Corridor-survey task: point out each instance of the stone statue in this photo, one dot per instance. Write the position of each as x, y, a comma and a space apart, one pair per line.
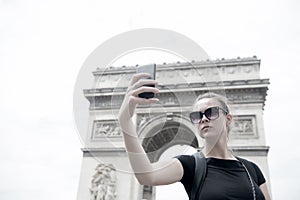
103, 184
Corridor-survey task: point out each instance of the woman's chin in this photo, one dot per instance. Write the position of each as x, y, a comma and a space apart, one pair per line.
204, 134
207, 135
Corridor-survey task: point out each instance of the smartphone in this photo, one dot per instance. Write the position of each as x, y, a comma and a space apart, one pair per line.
150, 69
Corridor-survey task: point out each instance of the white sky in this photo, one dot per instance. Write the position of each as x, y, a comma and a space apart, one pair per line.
44, 43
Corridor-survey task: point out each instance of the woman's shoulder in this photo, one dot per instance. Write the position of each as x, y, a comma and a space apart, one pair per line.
254, 170
248, 163
187, 162
185, 158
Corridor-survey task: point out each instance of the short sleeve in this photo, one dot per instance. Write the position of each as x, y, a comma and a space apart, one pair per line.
188, 164
255, 171
260, 177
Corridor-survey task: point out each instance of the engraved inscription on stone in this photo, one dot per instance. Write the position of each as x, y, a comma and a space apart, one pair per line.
105, 129
103, 184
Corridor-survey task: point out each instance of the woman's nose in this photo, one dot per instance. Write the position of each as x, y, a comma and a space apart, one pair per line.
204, 119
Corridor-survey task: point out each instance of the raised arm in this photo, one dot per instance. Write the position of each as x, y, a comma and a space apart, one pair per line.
147, 173
265, 191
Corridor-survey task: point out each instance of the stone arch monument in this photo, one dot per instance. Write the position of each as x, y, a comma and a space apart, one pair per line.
106, 172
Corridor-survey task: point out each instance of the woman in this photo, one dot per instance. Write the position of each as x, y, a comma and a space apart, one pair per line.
226, 176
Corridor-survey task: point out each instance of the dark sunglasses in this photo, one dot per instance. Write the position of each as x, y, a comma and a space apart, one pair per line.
210, 113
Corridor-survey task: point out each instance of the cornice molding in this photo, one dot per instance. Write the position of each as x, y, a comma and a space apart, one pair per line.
184, 86
251, 150
179, 65
184, 94
100, 152
238, 150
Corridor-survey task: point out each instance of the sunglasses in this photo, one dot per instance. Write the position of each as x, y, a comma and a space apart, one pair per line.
210, 113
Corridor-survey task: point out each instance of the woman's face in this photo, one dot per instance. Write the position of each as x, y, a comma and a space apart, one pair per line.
211, 128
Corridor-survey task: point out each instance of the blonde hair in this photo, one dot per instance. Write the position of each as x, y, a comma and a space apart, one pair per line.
211, 95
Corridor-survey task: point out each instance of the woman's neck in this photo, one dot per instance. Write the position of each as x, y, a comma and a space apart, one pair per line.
218, 150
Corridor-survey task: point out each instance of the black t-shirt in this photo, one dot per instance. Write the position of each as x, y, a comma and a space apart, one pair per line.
225, 179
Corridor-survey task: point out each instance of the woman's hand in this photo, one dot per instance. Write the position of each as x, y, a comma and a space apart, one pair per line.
131, 99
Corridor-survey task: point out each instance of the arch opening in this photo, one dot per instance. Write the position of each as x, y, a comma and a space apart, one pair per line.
172, 133
172, 139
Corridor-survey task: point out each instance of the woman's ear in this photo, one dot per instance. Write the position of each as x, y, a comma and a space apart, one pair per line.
229, 119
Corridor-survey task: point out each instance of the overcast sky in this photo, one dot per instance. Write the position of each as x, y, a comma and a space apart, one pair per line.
43, 45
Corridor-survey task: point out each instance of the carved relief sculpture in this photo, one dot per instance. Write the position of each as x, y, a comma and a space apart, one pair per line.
105, 129
244, 126
103, 184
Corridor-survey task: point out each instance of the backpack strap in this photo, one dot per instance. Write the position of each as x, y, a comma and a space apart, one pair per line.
199, 175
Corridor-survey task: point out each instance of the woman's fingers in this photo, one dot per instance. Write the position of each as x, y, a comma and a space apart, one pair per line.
131, 99
142, 82
144, 89
139, 100
136, 77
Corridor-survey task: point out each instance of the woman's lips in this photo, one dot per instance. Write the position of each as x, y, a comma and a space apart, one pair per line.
205, 127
